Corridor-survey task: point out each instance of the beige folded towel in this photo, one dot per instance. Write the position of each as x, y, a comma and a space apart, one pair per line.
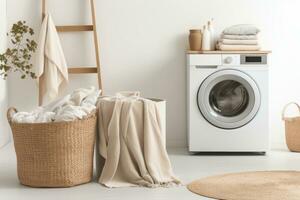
226, 47
132, 143
239, 42
239, 37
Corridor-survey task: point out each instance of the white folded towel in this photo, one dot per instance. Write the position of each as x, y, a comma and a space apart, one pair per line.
239, 37
239, 42
51, 67
227, 47
242, 29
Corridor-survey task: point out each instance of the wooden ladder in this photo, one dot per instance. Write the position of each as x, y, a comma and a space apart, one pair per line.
79, 28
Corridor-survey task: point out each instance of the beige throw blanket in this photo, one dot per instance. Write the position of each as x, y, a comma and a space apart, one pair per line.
132, 143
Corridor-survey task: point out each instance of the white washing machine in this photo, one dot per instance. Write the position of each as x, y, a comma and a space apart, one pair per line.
228, 102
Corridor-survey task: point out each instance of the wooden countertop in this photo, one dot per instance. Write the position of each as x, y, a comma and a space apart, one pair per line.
229, 52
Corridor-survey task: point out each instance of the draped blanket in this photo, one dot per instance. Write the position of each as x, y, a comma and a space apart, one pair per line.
132, 143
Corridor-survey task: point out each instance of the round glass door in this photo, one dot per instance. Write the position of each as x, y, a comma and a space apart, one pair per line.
228, 99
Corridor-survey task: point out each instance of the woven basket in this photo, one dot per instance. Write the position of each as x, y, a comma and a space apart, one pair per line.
292, 129
56, 154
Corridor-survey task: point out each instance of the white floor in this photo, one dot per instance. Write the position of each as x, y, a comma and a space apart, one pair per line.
187, 167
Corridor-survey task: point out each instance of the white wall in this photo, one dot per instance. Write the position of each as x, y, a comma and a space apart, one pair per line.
143, 47
4, 136
285, 71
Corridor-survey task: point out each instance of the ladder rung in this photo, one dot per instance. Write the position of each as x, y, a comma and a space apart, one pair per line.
82, 70
73, 28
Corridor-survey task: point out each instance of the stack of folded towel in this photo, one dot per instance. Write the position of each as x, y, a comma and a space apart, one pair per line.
239, 38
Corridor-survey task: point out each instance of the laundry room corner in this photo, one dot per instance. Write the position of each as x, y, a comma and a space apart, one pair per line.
185, 99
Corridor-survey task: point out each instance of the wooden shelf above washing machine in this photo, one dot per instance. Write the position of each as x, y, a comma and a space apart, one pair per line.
229, 52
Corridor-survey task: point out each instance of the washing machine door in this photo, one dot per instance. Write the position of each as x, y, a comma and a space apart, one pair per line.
228, 99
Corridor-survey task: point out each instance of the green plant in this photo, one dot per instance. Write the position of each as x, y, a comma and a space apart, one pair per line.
18, 57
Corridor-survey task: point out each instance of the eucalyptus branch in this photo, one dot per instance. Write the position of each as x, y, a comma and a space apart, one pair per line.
18, 57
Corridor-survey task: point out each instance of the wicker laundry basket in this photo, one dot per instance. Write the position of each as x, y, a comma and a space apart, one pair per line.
292, 129
56, 154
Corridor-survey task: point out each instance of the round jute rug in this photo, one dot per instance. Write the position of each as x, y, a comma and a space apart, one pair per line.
261, 185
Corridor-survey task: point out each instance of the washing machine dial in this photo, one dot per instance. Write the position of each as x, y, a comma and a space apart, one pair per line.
228, 60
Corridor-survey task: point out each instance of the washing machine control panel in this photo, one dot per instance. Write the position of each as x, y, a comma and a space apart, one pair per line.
244, 59
227, 60
257, 59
